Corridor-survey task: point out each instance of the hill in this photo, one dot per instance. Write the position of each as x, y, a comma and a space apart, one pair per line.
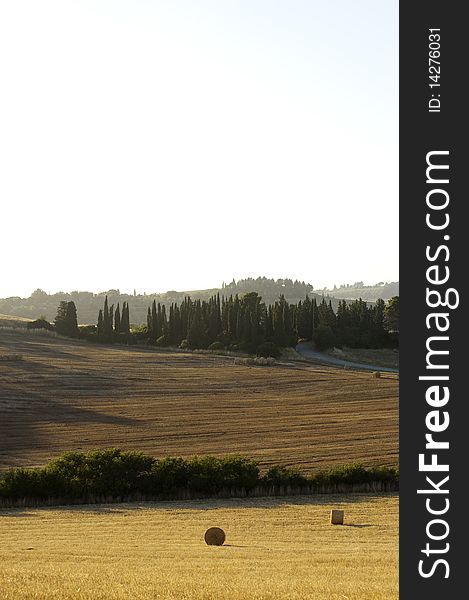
88, 303
11, 321
370, 293
75, 395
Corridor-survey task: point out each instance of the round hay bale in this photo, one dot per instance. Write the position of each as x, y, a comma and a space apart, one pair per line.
376, 374
215, 536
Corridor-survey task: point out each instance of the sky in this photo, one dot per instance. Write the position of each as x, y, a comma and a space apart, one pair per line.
173, 145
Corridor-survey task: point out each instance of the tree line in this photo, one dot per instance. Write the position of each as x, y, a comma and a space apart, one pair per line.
246, 323
88, 303
243, 323
113, 473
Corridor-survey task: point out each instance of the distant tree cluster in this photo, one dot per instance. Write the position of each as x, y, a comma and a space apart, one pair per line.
40, 323
235, 322
66, 320
243, 323
112, 324
370, 293
269, 289
88, 303
246, 323
356, 324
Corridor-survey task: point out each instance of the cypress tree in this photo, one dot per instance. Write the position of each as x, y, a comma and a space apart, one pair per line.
287, 323
269, 331
164, 323
66, 322
379, 335
158, 327
154, 330
304, 323
170, 329
149, 323
125, 319
117, 320
100, 323
214, 319
106, 317
314, 317
177, 325
111, 319
236, 327
195, 331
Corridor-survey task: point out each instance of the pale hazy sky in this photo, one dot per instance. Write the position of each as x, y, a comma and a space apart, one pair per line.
174, 144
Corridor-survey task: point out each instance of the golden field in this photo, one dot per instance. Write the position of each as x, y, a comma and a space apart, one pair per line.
71, 395
275, 549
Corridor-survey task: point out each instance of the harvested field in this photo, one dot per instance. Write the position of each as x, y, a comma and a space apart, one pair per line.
10, 321
275, 549
384, 357
67, 395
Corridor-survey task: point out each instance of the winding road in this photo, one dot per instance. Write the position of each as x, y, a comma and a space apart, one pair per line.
305, 350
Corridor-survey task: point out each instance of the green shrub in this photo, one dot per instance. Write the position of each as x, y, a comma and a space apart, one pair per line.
324, 337
167, 476
284, 476
31, 483
268, 349
117, 474
108, 472
139, 332
239, 471
40, 323
216, 346
85, 330
204, 474
355, 473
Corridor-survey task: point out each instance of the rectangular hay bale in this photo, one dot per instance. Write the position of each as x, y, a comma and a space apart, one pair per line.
337, 517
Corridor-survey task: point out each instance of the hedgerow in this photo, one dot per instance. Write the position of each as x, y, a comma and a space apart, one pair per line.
113, 473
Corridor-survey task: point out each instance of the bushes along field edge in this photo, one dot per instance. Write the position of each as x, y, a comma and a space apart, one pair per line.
115, 474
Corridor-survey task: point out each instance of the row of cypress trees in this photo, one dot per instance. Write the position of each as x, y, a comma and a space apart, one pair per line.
246, 322
112, 321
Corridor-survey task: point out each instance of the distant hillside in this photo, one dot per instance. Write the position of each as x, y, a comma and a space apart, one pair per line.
370, 293
9, 321
88, 304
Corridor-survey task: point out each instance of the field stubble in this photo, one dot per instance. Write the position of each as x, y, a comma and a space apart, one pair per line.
275, 549
70, 395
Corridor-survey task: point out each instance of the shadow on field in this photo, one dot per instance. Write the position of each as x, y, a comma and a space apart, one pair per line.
25, 405
328, 501
359, 525
244, 546
44, 348
6, 512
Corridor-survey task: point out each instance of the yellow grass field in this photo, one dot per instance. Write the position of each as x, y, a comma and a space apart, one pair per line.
276, 549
